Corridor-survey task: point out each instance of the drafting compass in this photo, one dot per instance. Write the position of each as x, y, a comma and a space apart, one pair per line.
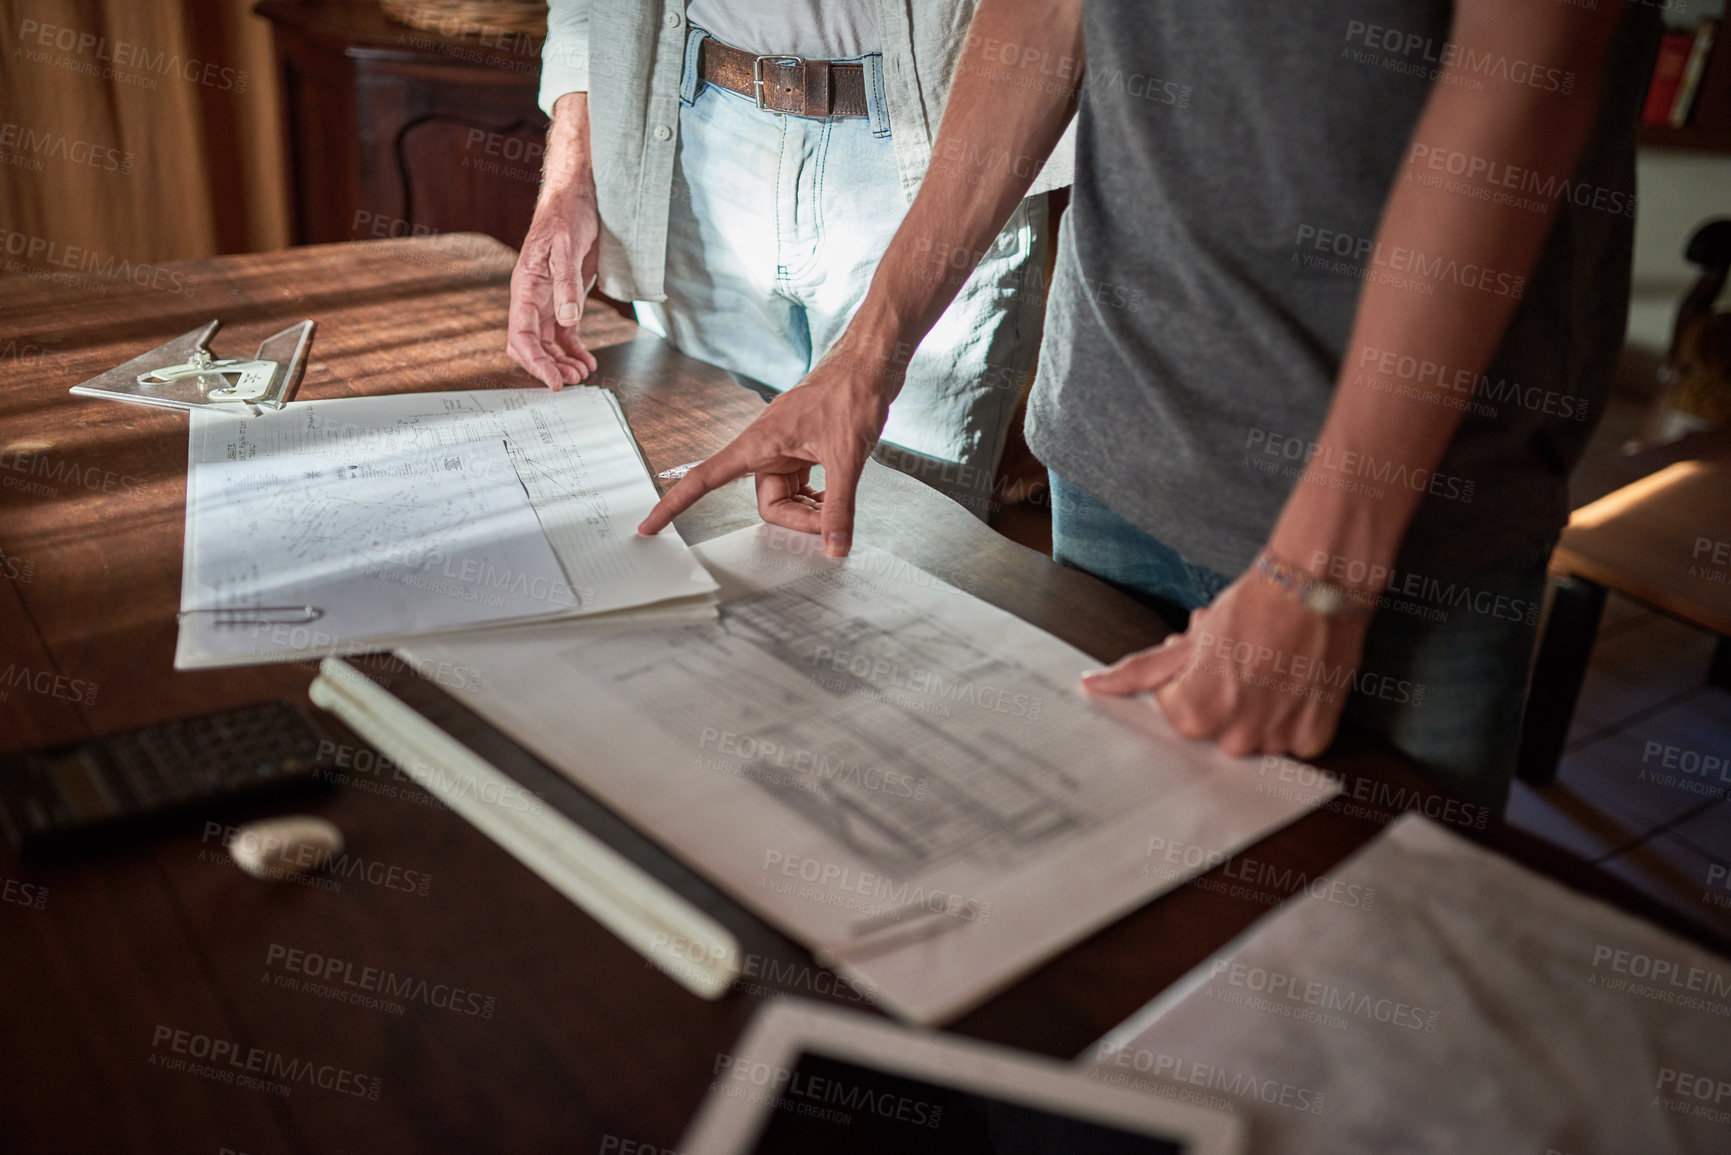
185, 374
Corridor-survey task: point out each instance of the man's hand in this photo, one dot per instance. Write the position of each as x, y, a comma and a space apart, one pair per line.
833, 418
1254, 671
557, 266
1000, 105
554, 273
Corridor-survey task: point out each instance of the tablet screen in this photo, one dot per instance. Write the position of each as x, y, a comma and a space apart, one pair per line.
841, 1108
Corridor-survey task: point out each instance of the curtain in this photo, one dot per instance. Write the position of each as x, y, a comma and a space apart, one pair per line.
136, 131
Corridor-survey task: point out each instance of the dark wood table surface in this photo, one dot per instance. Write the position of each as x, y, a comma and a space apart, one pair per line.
578, 1045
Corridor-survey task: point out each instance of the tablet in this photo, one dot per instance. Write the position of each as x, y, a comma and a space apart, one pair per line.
809, 1078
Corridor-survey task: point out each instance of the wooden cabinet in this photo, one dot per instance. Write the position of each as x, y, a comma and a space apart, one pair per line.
392, 131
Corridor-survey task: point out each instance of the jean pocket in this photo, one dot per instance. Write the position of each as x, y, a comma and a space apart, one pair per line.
691, 86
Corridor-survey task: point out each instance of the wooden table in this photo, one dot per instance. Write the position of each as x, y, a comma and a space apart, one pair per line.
580, 1039
1664, 539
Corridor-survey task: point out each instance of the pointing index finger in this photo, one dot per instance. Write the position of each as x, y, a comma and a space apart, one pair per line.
703, 477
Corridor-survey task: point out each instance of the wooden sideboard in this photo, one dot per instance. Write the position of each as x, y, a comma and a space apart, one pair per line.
393, 132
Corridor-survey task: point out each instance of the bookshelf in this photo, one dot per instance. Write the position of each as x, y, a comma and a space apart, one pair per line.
1691, 139
1706, 126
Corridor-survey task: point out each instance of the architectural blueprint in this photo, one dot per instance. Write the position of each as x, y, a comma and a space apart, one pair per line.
829, 704
339, 526
901, 776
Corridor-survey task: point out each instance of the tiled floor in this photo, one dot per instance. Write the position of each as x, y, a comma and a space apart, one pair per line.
1638, 789
1645, 703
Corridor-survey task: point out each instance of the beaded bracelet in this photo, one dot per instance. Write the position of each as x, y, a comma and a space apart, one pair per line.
1314, 594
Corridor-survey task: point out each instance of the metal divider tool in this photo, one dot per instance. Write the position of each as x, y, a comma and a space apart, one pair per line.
185, 374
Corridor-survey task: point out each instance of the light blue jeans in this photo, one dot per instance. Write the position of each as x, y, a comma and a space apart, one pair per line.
1466, 641
777, 224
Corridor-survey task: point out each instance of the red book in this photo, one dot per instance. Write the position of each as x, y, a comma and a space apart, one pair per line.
1673, 60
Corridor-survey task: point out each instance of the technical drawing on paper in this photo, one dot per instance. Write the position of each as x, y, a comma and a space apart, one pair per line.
440, 538
354, 511
902, 738
546, 436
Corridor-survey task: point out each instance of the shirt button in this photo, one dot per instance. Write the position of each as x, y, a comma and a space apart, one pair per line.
662, 132
673, 20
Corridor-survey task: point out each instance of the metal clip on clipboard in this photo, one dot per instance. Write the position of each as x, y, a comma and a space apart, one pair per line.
185, 374
259, 615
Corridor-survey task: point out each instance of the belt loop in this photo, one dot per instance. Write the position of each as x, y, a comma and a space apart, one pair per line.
816, 88
877, 108
688, 77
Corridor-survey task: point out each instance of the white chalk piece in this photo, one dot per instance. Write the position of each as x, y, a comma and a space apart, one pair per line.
280, 848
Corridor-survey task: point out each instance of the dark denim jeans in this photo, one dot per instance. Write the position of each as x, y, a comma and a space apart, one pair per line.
1444, 673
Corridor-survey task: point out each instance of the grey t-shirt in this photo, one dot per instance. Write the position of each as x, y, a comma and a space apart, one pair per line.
1232, 165
814, 29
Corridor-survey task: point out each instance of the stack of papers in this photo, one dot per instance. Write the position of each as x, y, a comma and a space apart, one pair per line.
1435, 997
349, 525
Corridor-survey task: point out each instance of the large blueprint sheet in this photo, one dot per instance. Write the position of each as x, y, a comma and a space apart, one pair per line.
899, 775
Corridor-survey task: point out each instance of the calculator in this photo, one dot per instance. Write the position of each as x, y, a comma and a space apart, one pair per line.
69, 797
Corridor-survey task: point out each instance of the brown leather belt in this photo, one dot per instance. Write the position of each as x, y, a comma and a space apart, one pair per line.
785, 84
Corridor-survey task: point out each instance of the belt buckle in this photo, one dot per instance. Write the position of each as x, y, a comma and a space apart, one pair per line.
757, 64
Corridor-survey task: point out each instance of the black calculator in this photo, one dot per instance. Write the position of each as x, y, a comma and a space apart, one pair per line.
66, 798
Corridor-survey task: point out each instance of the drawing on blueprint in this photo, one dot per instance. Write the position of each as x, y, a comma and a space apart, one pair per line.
903, 739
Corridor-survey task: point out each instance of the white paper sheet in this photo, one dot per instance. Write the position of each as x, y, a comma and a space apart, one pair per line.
1469, 1005
899, 775
412, 513
381, 546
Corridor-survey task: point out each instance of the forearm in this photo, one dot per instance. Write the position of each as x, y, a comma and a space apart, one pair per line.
567, 168
1014, 91
1453, 314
